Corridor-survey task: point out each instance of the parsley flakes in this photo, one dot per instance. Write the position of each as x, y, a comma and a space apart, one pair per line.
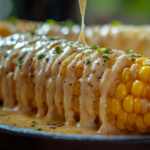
32, 33
94, 47
107, 50
40, 56
20, 60
129, 51
87, 61
105, 56
40, 129
3, 115
132, 59
6, 53
58, 50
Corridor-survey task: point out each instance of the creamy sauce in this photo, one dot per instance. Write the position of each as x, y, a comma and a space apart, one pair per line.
40, 74
81, 39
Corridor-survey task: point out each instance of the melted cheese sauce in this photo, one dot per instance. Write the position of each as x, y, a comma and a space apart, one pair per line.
32, 78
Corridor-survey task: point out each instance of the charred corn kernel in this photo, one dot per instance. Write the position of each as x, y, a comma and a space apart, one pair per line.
144, 106
137, 88
144, 90
132, 118
144, 73
120, 125
129, 85
111, 116
140, 122
79, 69
115, 106
147, 119
121, 91
75, 104
122, 117
125, 76
128, 103
134, 71
140, 60
143, 130
76, 89
137, 105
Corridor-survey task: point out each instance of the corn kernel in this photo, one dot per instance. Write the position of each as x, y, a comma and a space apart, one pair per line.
146, 62
128, 103
122, 117
125, 76
120, 125
144, 73
115, 106
132, 118
129, 85
134, 71
144, 106
147, 119
143, 130
137, 105
144, 90
79, 69
140, 60
76, 89
111, 116
140, 122
75, 104
137, 88
121, 91
148, 91
113, 122
131, 128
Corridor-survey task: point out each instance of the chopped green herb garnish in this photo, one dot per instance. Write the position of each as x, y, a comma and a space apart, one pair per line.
136, 55
87, 61
22, 56
71, 46
132, 59
39, 129
47, 59
99, 49
54, 38
94, 47
105, 56
34, 122
107, 50
20, 63
32, 33
129, 51
33, 125
58, 50
105, 60
50, 22
40, 56
3, 115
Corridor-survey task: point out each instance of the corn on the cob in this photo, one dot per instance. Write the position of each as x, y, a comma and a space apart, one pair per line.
89, 86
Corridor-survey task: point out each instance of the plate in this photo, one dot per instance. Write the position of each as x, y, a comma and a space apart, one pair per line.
33, 139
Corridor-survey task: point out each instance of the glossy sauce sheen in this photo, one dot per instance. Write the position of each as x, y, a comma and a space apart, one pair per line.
38, 83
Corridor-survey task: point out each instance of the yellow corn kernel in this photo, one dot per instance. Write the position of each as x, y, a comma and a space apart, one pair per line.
122, 117
111, 116
144, 90
140, 60
132, 118
112, 62
115, 106
147, 119
144, 73
75, 104
148, 91
149, 106
128, 103
129, 85
137, 88
79, 69
120, 125
144, 105
121, 91
140, 122
125, 76
113, 122
131, 128
76, 89
143, 130
137, 105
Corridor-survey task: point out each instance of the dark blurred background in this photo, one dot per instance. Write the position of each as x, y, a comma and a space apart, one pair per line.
97, 12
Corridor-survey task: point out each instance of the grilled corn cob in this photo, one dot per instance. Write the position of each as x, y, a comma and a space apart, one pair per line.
85, 86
